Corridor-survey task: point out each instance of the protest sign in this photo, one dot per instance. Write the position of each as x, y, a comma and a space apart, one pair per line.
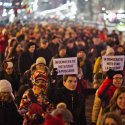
112, 62
66, 65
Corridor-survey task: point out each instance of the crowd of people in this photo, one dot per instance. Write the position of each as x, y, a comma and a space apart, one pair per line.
32, 92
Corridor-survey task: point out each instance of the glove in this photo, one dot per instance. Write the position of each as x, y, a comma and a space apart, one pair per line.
54, 73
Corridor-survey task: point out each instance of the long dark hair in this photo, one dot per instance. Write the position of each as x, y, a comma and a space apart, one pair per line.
14, 48
113, 103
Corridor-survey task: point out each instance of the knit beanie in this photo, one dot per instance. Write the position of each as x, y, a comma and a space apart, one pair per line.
40, 60
62, 110
110, 73
54, 120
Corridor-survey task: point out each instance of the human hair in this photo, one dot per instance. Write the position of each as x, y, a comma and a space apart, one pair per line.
14, 48
113, 116
30, 44
5, 64
113, 103
65, 77
6, 97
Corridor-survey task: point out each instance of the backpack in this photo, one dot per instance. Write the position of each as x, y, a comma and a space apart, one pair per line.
103, 92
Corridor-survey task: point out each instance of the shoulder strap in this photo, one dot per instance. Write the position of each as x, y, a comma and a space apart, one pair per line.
32, 96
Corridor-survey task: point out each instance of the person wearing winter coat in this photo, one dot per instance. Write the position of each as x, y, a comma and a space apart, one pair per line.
9, 74
9, 114
34, 103
104, 94
117, 103
75, 101
62, 53
43, 51
27, 58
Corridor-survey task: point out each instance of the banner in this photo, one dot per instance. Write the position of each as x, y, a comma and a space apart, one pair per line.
112, 62
66, 66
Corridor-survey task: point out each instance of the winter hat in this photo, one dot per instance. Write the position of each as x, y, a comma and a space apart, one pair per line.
62, 110
117, 72
5, 86
54, 120
30, 44
40, 60
110, 73
109, 50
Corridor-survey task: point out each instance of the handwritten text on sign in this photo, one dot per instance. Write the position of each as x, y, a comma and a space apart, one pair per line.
66, 65
112, 62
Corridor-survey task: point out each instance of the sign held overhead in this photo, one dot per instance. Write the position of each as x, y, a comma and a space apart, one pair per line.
66, 66
112, 62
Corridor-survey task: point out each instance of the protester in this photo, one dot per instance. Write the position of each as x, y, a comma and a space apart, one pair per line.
70, 97
117, 103
43, 51
34, 104
8, 111
105, 93
9, 74
27, 58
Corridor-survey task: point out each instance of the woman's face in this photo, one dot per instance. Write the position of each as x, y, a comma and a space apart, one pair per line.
117, 80
40, 67
110, 121
121, 101
18, 48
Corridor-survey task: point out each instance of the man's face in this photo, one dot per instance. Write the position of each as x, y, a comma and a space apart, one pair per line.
32, 49
43, 45
81, 54
117, 80
62, 52
70, 83
9, 70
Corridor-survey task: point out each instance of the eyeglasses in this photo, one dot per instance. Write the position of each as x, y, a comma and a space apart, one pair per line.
120, 78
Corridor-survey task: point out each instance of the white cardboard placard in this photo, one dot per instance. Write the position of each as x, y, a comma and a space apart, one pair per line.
112, 62
66, 66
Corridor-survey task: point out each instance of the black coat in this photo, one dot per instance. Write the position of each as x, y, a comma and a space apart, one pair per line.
25, 61
9, 114
75, 102
46, 53
13, 79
